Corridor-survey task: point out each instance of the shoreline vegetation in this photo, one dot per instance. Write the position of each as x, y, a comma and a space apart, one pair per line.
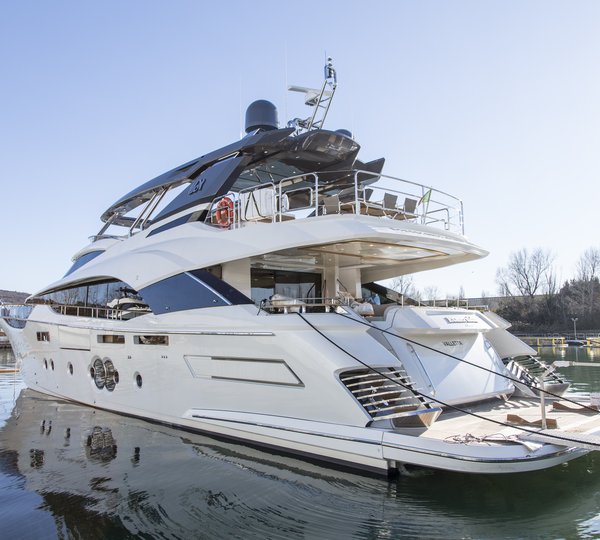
530, 294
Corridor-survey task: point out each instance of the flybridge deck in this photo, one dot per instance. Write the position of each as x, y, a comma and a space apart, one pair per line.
274, 175
303, 196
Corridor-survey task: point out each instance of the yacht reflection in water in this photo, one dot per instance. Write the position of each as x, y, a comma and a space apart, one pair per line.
102, 475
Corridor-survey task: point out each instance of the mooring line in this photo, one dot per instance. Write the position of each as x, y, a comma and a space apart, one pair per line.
458, 359
435, 400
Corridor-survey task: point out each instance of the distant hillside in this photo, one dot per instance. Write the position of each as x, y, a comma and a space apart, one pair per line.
12, 297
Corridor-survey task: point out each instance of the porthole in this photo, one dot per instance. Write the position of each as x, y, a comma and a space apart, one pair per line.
110, 381
99, 373
45, 364
70, 368
138, 380
103, 373
52, 364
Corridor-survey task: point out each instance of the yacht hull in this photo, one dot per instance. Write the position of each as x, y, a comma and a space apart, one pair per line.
267, 381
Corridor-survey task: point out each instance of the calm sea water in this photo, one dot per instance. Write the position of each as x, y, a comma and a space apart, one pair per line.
70, 471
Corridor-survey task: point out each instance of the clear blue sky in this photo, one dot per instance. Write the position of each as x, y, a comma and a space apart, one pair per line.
497, 102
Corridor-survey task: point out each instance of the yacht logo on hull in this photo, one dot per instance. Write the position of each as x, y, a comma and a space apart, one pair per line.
453, 343
196, 186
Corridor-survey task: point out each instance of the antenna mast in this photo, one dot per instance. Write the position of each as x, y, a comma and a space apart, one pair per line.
319, 99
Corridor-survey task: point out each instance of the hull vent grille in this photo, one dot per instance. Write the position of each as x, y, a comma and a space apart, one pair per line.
387, 395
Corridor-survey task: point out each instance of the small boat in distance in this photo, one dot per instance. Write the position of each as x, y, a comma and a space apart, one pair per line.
235, 295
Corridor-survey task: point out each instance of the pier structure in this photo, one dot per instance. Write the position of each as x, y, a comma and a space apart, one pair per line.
561, 341
544, 341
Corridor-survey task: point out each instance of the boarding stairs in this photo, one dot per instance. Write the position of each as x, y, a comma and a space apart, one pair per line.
534, 373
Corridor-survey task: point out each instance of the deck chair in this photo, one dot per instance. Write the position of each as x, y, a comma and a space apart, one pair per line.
299, 198
389, 201
331, 205
389, 205
410, 205
408, 210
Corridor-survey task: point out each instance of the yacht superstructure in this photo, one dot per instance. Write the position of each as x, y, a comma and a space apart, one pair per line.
235, 295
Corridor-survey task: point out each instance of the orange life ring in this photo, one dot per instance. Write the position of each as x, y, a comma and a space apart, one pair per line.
224, 213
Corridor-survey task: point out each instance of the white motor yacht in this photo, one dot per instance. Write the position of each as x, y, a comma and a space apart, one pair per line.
236, 295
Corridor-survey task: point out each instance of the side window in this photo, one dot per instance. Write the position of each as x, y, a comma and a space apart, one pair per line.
114, 299
114, 291
84, 259
76, 296
191, 290
98, 295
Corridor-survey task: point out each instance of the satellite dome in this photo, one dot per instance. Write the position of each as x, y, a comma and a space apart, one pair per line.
261, 114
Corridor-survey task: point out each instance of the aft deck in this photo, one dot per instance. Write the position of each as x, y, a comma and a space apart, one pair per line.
523, 416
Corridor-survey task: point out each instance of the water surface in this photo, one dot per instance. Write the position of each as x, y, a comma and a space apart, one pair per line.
72, 471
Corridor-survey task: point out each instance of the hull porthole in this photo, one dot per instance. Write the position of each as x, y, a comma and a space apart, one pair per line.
111, 375
98, 373
103, 373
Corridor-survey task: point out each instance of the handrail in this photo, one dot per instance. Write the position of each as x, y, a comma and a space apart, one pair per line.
426, 198
289, 304
98, 312
428, 206
251, 191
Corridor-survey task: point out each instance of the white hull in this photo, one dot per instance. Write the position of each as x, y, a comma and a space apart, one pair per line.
280, 405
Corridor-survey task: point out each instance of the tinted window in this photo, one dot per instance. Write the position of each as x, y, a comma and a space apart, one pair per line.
83, 260
73, 297
98, 295
101, 295
190, 290
210, 277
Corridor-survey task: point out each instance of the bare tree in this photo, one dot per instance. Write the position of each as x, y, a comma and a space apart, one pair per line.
405, 286
588, 265
585, 286
431, 293
527, 274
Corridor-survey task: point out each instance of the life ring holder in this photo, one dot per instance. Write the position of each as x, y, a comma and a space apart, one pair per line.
224, 213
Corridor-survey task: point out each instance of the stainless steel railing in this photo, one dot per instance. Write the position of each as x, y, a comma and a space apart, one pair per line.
353, 192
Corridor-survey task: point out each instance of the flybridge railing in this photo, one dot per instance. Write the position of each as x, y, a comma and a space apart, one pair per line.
351, 192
